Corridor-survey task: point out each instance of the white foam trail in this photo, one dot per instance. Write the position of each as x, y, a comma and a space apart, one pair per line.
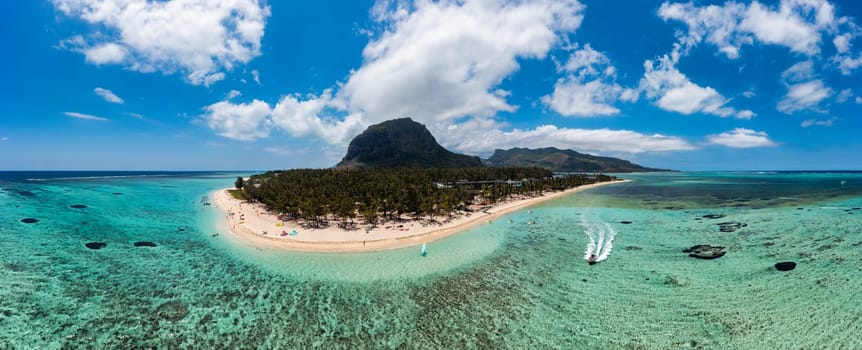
601, 240
591, 245
608, 242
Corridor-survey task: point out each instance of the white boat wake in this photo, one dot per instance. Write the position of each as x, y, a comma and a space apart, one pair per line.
601, 237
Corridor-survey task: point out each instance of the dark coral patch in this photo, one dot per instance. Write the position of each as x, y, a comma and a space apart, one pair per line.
29, 220
705, 251
785, 266
731, 226
95, 245
145, 244
23, 193
172, 311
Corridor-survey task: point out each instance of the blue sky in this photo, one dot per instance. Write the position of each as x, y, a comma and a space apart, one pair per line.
254, 85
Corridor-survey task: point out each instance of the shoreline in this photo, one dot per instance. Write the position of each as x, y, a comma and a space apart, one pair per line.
252, 224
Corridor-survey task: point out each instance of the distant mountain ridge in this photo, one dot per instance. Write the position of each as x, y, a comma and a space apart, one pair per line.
558, 160
401, 143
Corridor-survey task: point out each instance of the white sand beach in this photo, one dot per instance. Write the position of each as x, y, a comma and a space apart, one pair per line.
255, 225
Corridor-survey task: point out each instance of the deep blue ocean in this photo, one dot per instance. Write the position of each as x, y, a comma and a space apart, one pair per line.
160, 279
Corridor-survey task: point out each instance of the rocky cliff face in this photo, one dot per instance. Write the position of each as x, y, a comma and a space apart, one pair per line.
562, 161
401, 143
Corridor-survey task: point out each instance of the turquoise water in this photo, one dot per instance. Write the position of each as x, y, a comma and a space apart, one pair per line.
502, 285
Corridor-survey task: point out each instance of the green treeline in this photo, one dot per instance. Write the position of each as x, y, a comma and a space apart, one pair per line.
316, 195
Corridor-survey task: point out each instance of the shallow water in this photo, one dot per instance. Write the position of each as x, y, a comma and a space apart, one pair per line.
518, 284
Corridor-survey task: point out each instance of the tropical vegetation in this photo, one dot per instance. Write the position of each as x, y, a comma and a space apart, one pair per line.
320, 195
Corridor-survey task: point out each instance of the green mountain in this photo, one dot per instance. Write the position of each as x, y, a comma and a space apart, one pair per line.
401, 143
562, 161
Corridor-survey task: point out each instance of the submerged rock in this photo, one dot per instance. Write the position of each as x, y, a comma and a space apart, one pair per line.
23, 193
145, 244
705, 251
714, 216
172, 311
675, 281
731, 226
206, 319
785, 266
29, 220
95, 245
77, 206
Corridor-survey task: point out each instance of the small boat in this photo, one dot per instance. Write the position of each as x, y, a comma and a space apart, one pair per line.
424, 251
592, 260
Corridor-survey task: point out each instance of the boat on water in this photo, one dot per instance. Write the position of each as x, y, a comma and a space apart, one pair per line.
593, 259
424, 251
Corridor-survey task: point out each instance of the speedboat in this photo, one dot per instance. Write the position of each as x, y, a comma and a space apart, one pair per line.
592, 260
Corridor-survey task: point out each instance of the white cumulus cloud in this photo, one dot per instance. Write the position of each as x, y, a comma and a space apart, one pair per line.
197, 38
441, 63
316, 117
480, 136
245, 121
795, 24
847, 64
105, 53
311, 116
842, 42
799, 72
433, 61
231, 94
589, 88
815, 122
444, 60
802, 96
85, 116
673, 91
804, 91
741, 138
801, 26
108, 95
844, 95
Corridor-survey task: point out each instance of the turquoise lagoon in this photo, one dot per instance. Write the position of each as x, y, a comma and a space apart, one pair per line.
519, 282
